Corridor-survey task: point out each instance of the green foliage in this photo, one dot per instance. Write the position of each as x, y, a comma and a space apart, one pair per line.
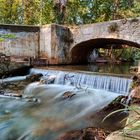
131, 53
11, 11
5, 60
112, 113
6, 36
47, 16
136, 54
1, 39
127, 54
131, 125
36, 12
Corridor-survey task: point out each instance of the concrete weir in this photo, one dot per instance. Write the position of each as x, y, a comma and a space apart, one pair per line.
56, 44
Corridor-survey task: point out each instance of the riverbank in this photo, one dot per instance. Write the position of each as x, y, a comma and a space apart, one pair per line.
131, 130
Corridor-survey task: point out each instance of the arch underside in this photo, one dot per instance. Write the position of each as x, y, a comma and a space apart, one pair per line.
80, 52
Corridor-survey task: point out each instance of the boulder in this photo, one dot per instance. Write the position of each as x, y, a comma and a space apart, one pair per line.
34, 77
90, 133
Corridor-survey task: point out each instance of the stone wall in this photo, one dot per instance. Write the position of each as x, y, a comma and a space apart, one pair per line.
61, 41
48, 42
24, 44
45, 42
54, 43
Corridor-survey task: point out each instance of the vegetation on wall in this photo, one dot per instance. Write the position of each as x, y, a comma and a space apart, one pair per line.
6, 36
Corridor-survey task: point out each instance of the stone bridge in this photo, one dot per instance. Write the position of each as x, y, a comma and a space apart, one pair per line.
70, 44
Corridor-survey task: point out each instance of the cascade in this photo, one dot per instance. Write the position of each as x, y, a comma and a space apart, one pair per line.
109, 83
56, 113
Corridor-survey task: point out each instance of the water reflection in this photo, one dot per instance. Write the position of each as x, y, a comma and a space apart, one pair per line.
122, 68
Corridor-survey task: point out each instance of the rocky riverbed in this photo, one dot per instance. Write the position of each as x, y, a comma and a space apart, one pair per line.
46, 125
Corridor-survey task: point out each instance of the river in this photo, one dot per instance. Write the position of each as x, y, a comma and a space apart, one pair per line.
46, 111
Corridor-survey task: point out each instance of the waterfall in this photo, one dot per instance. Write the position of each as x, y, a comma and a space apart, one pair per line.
109, 83
57, 113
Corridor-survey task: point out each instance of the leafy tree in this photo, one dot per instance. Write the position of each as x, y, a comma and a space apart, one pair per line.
48, 15
72, 12
10, 11
31, 11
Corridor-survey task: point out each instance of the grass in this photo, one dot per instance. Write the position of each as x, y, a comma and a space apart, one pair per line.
132, 125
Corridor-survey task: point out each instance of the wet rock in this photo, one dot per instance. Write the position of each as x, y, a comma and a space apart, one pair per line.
15, 70
34, 100
133, 69
118, 135
16, 95
116, 103
5, 85
22, 70
73, 135
48, 80
135, 87
34, 77
68, 94
135, 100
13, 94
90, 133
135, 93
31, 99
2, 92
118, 119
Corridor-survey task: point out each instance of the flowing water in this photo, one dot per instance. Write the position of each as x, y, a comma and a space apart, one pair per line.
44, 112
109, 83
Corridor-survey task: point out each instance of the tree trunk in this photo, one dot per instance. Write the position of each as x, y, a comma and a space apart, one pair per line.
26, 11
139, 66
115, 10
60, 10
28, 4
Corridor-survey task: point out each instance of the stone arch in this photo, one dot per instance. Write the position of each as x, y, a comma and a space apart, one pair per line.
79, 52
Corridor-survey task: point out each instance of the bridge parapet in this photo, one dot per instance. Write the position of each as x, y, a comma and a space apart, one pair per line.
125, 29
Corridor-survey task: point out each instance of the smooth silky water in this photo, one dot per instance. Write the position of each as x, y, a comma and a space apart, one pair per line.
52, 114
